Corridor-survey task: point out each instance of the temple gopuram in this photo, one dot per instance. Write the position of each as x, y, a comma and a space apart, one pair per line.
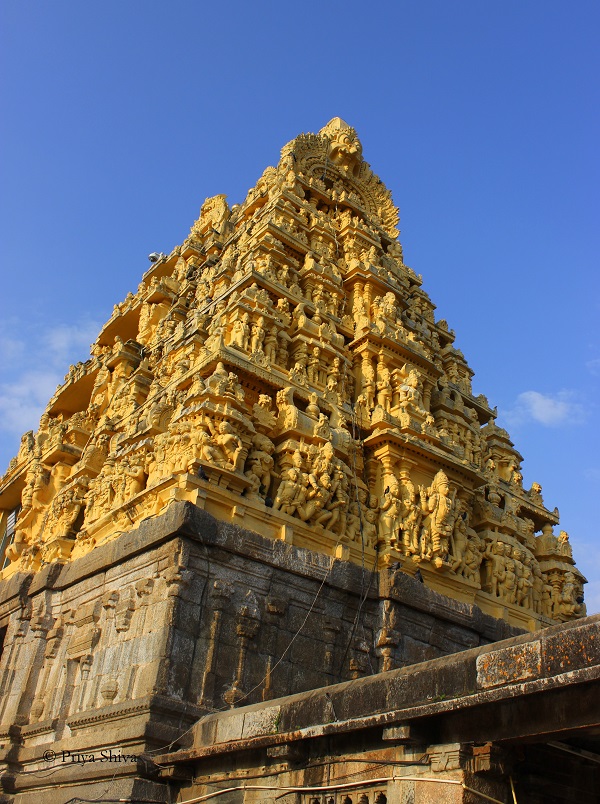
284, 368
269, 521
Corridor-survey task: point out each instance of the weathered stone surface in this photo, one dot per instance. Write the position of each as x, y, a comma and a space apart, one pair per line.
133, 642
572, 649
427, 722
505, 666
456, 682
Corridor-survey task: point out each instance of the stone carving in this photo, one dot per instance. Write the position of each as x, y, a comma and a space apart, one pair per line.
437, 504
260, 463
390, 518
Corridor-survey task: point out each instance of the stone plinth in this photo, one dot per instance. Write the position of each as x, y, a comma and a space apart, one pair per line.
126, 647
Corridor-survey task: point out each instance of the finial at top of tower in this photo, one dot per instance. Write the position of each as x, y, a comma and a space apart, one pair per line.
345, 148
335, 124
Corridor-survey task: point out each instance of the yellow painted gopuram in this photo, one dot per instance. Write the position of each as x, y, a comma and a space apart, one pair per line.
283, 369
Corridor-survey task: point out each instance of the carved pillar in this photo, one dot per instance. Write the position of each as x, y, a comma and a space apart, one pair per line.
221, 593
371, 467
275, 610
359, 290
53, 641
555, 579
359, 661
12, 660
85, 663
388, 638
248, 623
368, 297
330, 630
427, 389
81, 646
41, 623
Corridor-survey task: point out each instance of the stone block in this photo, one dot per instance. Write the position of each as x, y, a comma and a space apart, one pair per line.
572, 649
230, 728
260, 722
509, 665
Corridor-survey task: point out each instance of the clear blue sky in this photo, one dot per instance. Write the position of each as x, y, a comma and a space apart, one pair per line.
120, 118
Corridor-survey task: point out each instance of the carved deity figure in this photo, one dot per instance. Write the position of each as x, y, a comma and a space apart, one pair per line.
495, 555
27, 446
240, 333
260, 462
156, 460
437, 503
318, 497
270, 346
298, 374
384, 386
135, 477
412, 389
473, 557
368, 384
339, 503
229, 441
207, 449
99, 497
546, 543
459, 541
359, 314
537, 591
391, 514
369, 519
563, 545
34, 483
508, 587
314, 366
334, 375
63, 513
412, 515
258, 335
568, 605
94, 453
177, 447
524, 585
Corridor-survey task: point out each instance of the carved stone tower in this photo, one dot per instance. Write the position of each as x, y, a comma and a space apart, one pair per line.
275, 410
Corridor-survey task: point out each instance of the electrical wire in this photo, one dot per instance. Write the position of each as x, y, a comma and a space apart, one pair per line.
345, 786
372, 763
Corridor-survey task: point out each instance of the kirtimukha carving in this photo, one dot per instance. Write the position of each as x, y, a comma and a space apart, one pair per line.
284, 368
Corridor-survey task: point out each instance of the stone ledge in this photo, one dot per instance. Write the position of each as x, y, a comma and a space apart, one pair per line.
443, 685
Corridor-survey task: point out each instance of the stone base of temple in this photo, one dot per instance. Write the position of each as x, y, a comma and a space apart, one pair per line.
123, 649
517, 721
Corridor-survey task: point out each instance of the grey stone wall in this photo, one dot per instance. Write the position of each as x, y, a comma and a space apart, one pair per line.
128, 646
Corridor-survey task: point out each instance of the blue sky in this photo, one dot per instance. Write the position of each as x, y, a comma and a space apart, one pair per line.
118, 119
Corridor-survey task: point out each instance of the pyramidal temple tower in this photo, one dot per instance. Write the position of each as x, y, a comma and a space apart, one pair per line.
272, 476
284, 369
